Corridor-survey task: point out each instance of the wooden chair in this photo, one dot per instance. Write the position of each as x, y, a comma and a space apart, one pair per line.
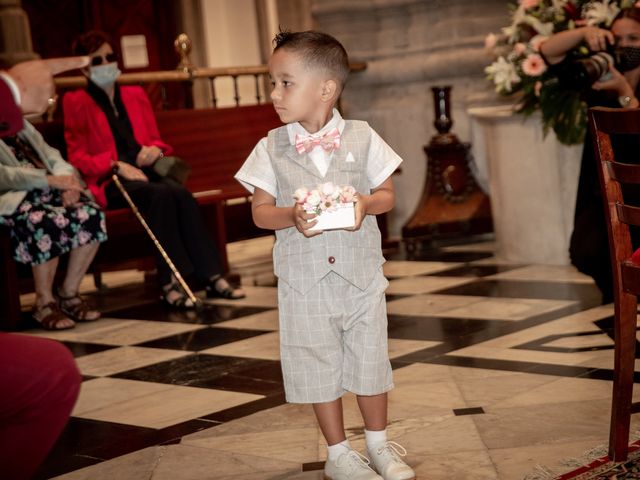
607, 125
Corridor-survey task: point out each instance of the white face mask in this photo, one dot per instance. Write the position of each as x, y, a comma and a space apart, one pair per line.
104, 75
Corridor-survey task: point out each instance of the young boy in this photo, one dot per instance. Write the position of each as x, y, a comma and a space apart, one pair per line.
333, 319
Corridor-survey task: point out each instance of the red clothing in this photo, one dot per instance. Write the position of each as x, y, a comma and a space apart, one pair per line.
40, 382
10, 114
91, 147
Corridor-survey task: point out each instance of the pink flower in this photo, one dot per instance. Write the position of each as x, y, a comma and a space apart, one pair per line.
23, 253
36, 217
329, 189
61, 221
44, 244
534, 65
25, 207
82, 215
490, 41
526, 4
83, 237
63, 238
519, 48
348, 194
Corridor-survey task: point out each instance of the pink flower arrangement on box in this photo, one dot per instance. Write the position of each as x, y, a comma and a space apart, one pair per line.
325, 198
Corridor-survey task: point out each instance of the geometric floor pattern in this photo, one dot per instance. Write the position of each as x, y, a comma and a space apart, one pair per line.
497, 368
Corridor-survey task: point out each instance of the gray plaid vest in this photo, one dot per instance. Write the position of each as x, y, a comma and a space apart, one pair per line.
356, 256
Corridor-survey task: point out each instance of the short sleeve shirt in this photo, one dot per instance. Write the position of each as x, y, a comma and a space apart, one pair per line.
257, 170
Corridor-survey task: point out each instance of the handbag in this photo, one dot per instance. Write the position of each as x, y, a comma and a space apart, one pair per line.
172, 167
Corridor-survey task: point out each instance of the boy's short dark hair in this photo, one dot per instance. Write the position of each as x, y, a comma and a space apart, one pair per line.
319, 50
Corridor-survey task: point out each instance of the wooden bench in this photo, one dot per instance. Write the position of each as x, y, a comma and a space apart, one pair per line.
215, 143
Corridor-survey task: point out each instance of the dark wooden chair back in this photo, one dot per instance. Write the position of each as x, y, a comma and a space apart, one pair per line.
606, 125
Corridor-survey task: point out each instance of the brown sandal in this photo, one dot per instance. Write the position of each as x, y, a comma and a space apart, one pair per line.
50, 317
77, 308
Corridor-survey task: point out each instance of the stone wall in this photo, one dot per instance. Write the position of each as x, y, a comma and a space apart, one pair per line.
410, 46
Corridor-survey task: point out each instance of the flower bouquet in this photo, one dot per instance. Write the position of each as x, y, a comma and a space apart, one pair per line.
332, 205
519, 70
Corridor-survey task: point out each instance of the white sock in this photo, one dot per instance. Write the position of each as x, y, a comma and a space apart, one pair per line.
334, 451
375, 438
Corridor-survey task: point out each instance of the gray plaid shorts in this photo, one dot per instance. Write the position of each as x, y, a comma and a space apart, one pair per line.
334, 339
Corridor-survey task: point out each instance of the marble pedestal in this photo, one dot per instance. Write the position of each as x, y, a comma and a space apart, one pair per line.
533, 181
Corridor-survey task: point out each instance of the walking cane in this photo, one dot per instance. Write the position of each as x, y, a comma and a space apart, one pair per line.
135, 210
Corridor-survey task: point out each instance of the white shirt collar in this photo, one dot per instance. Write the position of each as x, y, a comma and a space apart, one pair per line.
295, 128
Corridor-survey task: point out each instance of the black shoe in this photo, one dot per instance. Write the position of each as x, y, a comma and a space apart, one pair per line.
181, 301
220, 288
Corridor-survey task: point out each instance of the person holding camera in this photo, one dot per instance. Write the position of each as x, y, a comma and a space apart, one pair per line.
611, 76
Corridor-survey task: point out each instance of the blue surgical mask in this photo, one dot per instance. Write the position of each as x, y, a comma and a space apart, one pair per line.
104, 75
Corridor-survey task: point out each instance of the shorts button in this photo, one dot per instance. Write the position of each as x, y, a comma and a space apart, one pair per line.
332, 260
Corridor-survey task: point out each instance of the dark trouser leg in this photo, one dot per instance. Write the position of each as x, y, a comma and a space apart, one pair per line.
589, 249
40, 384
157, 205
196, 240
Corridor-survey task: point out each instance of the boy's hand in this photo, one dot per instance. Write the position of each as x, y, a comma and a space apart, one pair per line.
300, 218
360, 210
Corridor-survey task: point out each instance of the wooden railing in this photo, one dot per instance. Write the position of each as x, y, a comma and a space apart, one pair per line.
188, 79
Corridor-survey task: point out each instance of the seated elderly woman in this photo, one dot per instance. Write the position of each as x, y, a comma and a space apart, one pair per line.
43, 203
107, 125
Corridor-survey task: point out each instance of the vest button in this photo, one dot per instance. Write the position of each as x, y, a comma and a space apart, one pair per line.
332, 260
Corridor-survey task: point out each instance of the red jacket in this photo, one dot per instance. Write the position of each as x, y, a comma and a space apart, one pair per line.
10, 114
91, 147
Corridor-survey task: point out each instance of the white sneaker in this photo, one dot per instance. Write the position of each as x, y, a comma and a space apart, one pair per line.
387, 462
350, 466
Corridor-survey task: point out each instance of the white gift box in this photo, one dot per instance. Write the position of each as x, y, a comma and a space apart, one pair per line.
342, 215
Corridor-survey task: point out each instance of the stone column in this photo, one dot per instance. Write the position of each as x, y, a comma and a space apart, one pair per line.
15, 35
410, 46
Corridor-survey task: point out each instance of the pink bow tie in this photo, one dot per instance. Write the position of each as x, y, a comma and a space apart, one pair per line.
329, 141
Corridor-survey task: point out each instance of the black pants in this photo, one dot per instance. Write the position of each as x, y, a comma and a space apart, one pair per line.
174, 217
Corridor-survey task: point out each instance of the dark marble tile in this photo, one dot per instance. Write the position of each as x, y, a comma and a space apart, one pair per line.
540, 344
586, 293
80, 349
202, 339
440, 328
85, 442
312, 466
211, 371
207, 315
474, 271
468, 411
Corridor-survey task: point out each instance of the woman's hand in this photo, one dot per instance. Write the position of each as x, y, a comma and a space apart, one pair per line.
300, 218
148, 155
70, 197
616, 82
130, 172
64, 182
360, 210
598, 39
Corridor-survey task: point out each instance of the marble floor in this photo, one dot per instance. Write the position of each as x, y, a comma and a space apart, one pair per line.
498, 368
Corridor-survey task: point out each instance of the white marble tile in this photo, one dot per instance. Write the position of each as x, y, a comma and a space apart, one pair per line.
559, 390
473, 465
401, 268
423, 305
133, 466
488, 246
121, 359
265, 346
110, 331
260, 321
505, 308
415, 285
150, 404
297, 445
582, 341
544, 273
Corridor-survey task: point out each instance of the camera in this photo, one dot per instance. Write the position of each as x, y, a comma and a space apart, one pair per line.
584, 72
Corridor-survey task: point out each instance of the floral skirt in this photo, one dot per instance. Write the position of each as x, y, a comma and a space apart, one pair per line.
42, 228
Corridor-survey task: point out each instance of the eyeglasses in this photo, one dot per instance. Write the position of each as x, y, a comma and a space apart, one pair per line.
100, 59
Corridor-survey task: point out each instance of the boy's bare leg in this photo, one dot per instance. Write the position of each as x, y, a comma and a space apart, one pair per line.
374, 411
331, 422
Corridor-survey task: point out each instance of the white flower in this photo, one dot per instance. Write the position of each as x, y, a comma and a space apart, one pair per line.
504, 75
600, 13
